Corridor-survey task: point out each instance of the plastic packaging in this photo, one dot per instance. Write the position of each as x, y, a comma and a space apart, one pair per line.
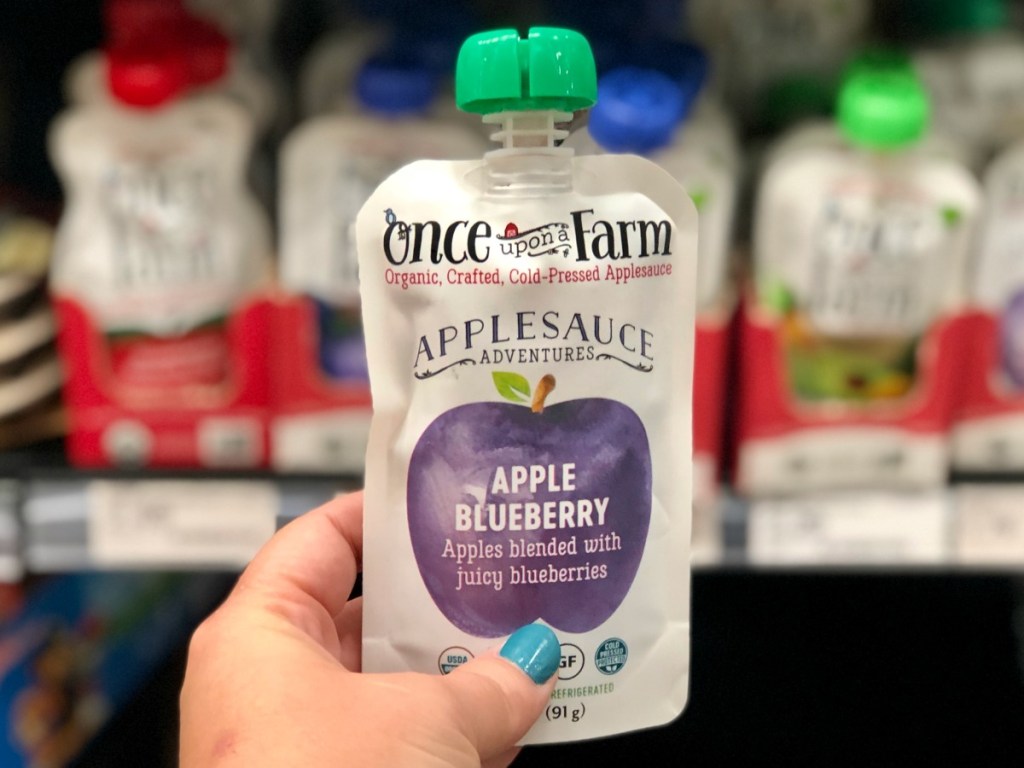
329, 168
529, 321
989, 434
159, 248
851, 342
646, 112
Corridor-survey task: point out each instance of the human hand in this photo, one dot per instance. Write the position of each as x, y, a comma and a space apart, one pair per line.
273, 675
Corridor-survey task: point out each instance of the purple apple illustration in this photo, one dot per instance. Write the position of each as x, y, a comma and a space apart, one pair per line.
522, 510
1012, 334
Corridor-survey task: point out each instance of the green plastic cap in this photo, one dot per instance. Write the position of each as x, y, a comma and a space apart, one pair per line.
551, 68
885, 108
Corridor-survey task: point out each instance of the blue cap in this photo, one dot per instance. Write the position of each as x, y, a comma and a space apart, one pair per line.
637, 110
393, 85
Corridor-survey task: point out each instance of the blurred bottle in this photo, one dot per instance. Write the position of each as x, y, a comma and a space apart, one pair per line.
998, 274
329, 167
974, 71
668, 120
648, 113
160, 240
860, 240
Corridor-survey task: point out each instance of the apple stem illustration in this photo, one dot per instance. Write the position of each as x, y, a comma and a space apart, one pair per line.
544, 387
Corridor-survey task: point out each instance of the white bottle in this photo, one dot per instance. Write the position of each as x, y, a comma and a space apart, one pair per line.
989, 433
159, 236
644, 112
997, 279
859, 250
820, 208
330, 166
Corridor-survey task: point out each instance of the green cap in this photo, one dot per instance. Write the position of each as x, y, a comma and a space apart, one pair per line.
550, 69
885, 108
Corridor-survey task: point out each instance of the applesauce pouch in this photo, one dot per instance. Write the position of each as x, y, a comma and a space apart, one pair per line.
529, 329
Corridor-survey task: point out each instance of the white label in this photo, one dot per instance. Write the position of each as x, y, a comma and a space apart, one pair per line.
995, 443
999, 272
850, 529
990, 525
158, 236
329, 441
179, 522
230, 442
877, 267
864, 250
850, 457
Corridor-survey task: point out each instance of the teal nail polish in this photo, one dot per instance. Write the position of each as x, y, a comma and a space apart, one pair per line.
535, 650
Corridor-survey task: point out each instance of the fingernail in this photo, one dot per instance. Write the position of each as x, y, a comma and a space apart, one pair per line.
535, 650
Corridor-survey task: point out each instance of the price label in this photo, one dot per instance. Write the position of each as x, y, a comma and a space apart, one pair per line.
990, 525
850, 529
179, 522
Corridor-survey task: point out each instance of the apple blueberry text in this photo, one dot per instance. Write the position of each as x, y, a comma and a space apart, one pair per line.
521, 510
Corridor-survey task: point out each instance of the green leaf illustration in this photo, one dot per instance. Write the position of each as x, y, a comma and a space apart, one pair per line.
951, 216
512, 386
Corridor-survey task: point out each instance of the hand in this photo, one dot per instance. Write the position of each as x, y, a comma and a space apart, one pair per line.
273, 675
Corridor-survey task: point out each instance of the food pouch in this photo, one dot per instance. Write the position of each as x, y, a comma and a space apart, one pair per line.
529, 330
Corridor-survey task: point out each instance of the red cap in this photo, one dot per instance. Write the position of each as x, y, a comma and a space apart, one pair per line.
134, 22
146, 77
207, 50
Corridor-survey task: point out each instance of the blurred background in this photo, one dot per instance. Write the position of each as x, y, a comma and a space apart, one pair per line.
182, 368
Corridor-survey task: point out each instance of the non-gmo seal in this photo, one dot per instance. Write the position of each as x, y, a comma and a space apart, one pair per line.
611, 656
452, 657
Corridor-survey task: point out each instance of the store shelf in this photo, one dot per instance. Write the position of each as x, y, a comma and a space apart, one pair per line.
170, 521
55, 519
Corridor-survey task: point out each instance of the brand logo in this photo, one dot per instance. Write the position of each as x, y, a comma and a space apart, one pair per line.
161, 220
584, 238
877, 266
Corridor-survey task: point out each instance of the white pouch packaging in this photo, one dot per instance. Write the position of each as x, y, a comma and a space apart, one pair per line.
529, 329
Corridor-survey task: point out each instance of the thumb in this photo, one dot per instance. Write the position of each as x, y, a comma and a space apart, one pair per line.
498, 696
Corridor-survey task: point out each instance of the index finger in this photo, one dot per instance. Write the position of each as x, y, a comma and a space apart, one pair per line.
310, 565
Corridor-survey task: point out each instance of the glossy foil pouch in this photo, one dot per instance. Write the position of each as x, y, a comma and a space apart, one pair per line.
530, 355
